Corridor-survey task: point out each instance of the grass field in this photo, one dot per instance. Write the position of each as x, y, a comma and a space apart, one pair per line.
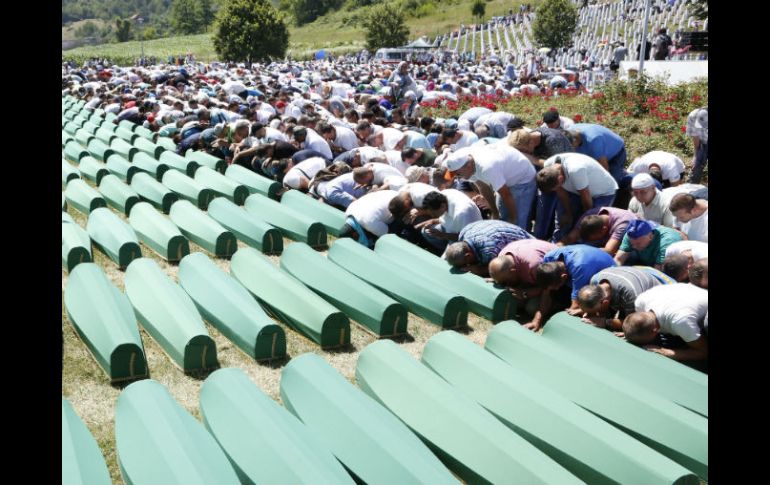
87, 386
337, 32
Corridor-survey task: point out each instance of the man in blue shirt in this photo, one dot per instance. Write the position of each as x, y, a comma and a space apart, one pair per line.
340, 192
603, 145
571, 265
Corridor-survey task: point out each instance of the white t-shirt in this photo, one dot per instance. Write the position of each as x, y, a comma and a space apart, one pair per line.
467, 139
697, 229
271, 134
367, 153
582, 171
310, 167
346, 138
680, 308
418, 191
461, 211
500, 164
564, 123
697, 249
383, 172
371, 211
656, 211
394, 160
314, 141
670, 165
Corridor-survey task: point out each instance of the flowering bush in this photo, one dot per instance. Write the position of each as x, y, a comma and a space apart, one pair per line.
647, 113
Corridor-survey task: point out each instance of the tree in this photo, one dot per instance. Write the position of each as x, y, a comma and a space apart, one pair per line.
249, 31
191, 16
555, 22
88, 29
385, 26
122, 29
479, 9
306, 11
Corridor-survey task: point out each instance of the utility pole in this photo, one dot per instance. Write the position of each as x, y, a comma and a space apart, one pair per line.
642, 51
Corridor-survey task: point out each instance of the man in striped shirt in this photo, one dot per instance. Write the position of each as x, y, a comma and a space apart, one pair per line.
611, 294
479, 242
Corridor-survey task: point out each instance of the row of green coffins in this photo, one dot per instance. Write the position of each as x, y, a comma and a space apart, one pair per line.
462, 411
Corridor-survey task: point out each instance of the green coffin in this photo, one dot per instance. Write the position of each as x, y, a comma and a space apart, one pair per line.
206, 160
74, 151
93, 169
63, 202
166, 143
68, 172
79, 120
249, 229
221, 185
187, 188
124, 148
291, 223
105, 321
144, 133
121, 168
117, 194
363, 435
108, 125
169, 316
83, 197
158, 232
152, 191
289, 300
128, 125
105, 136
82, 462
483, 298
466, 437
70, 128
158, 442
99, 150
424, 298
588, 447
201, 229
109, 117
83, 136
90, 127
332, 219
125, 135
361, 302
65, 138
666, 377
256, 184
177, 162
265, 443
146, 146
231, 309
75, 243
147, 163
113, 237
660, 424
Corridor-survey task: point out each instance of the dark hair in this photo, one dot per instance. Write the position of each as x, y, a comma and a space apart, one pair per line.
675, 265
408, 153
352, 113
656, 174
427, 123
550, 116
434, 200
515, 124
590, 296
324, 128
548, 178
590, 225
449, 133
698, 271
256, 127
278, 167
548, 274
397, 206
682, 201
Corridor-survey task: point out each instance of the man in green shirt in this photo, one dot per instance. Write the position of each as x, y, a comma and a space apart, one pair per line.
645, 243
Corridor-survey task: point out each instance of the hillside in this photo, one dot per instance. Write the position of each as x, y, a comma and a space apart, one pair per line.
338, 32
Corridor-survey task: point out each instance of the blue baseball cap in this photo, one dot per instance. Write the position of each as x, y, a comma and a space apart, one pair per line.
638, 228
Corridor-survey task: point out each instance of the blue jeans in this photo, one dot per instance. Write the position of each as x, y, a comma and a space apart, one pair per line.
617, 166
523, 194
439, 244
701, 159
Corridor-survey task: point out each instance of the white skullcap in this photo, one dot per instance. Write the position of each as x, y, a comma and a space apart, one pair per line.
642, 181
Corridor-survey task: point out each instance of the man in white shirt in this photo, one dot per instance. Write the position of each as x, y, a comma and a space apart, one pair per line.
449, 210
340, 139
369, 216
457, 139
308, 139
667, 166
552, 119
682, 256
380, 176
692, 216
507, 171
299, 176
678, 310
580, 182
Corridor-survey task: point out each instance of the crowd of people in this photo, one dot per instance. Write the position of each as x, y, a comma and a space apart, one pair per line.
555, 213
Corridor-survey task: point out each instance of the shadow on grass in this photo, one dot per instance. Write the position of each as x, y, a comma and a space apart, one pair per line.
399, 339
345, 349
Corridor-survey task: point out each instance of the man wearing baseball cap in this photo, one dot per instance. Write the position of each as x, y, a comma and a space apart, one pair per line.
645, 243
507, 171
